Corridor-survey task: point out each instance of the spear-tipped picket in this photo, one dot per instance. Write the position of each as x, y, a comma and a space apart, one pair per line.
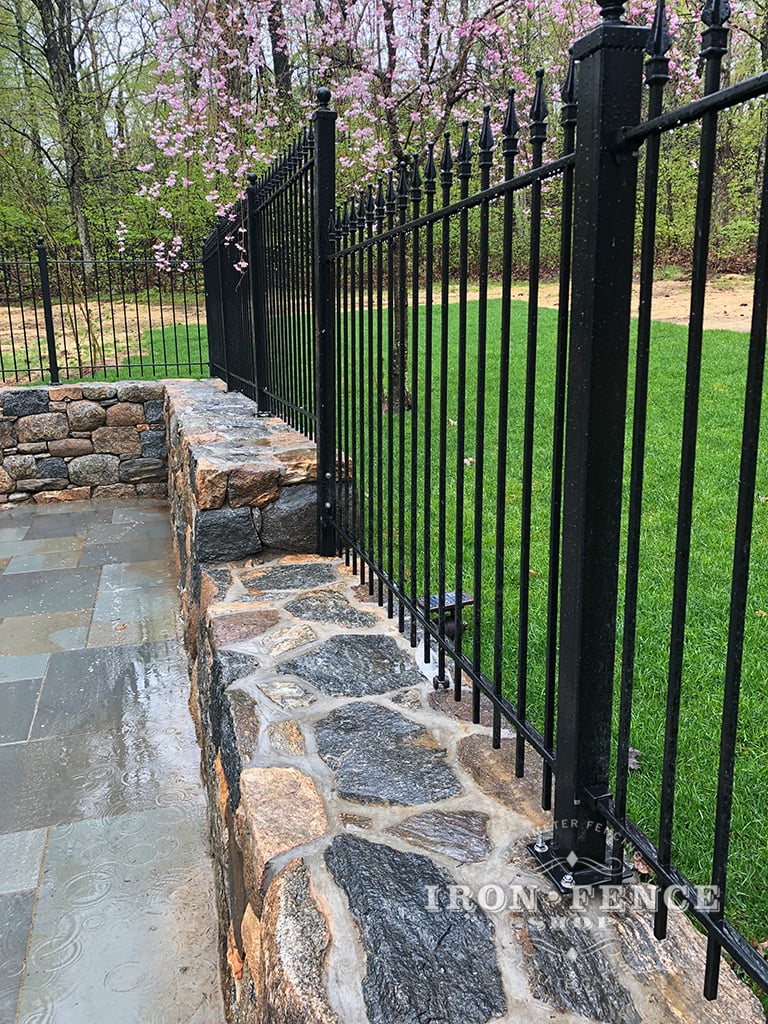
416, 180
659, 39
446, 168
570, 94
402, 186
464, 156
380, 203
657, 47
486, 141
391, 192
510, 131
716, 13
430, 171
361, 212
539, 111
370, 209
352, 220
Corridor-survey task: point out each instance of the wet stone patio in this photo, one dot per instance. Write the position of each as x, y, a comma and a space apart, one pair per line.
106, 891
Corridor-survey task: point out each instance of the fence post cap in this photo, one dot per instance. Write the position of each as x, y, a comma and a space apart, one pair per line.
324, 96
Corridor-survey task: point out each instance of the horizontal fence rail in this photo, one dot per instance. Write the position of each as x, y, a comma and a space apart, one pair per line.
498, 474
118, 315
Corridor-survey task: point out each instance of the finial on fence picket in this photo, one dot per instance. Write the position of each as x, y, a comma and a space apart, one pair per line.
485, 144
402, 184
370, 207
252, 179
380, 201
391, 192
511, 127
611, 10
361, 209
415, 180
464, 156
430, 170
539, 110
716, 13
323, 97
570, 91
446, 162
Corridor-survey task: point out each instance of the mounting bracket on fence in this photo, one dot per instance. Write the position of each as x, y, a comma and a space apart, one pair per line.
451, 611
569, 872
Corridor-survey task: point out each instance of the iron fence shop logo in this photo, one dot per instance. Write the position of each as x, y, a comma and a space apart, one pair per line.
574, 922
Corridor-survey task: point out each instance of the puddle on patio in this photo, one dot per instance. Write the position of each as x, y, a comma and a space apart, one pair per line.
106, 885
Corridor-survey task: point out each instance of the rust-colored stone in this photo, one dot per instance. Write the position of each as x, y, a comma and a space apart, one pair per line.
65, 394
280, 809
210, 483
117, 440
125, 414
71, 494
47, 426
254, 484
234, 959
7, 483
299, 464
70, 447
493, 771
250, 930
231, 624
223, 787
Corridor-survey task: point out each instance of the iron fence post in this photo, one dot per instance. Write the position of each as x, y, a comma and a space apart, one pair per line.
610, 86
324, 312
45, 288
256, 281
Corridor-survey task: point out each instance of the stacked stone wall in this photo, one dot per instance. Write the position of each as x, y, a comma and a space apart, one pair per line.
72, 443
239, 483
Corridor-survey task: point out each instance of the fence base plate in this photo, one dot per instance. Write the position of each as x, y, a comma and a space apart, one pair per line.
566, 875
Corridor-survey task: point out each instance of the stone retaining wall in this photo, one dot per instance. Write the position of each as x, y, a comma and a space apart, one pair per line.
85, 441
239, 483
368, 841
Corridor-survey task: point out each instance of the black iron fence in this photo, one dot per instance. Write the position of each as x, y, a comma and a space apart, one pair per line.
119, 315
481, 460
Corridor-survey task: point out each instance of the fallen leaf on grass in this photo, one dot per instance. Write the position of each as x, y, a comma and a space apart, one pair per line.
633, 761
639, 865
761, 614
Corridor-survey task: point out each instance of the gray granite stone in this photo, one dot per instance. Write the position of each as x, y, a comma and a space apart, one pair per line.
94, 469
153, 444
380, 757
300, 576
568, 967
99, 392
25, 402
225, 534
462, 835
328, 606
290, 523
85, 415
134, 471
19, 466
422, 965
140, 391
50, 469
153, 410
356, 666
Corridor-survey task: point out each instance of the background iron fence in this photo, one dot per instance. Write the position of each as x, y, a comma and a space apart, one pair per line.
119, 315
475, 452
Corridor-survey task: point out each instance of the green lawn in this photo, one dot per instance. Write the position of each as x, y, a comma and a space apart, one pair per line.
721, 412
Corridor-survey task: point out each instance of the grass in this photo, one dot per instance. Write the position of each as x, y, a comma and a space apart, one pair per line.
178, 350
717, 472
